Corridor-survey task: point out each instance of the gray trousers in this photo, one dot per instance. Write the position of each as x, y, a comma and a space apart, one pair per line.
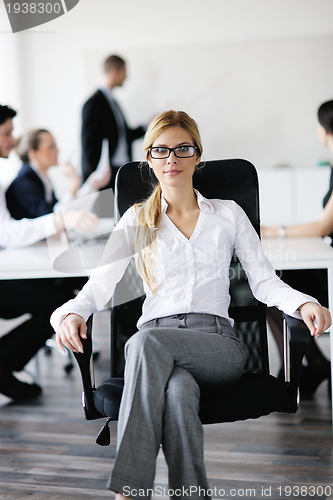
167, 363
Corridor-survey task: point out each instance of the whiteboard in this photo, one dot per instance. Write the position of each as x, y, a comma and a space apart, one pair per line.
252, 99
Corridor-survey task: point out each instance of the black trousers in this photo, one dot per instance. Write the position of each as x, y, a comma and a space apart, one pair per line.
39, 297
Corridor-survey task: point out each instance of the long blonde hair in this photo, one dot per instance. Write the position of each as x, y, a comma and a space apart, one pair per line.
149, 213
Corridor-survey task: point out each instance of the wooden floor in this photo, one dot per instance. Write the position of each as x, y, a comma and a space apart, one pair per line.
48, 450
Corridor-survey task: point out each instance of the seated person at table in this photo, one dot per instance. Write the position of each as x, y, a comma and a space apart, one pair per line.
31, 194
311, 281
185, 336
37, 297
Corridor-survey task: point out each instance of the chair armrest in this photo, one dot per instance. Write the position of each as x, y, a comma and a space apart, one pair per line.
297, 338
85, 362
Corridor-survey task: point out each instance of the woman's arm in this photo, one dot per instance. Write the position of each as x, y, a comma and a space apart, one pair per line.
265, 284
68, 319
322, 227
19, 233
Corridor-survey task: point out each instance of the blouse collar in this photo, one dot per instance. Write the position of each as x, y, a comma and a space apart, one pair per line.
204, 203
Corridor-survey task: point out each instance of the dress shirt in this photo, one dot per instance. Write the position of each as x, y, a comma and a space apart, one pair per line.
120, 156
192, 275
19, 233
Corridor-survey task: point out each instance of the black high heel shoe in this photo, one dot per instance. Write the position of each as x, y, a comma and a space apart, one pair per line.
17, 390
311, 380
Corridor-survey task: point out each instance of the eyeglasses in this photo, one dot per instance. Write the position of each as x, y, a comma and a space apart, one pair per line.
161, 152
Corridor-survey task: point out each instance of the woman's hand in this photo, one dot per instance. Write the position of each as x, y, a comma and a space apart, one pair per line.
71, 331
81, 220
316, 318
75, 179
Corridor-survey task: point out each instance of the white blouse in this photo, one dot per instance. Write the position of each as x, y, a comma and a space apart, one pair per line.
192, 275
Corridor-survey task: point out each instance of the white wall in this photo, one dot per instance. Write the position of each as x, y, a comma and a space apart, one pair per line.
292, 195
251, 73
253, 99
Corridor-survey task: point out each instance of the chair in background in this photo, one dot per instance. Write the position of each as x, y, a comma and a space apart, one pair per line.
258, 392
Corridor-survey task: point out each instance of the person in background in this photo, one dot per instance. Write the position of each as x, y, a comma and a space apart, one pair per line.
102, 119
312, 281
36, 297
31, 194
185, 338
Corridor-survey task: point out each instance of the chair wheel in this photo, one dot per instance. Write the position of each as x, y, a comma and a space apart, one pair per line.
68, 368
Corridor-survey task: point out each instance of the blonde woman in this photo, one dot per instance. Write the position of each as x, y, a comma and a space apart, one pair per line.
185, 338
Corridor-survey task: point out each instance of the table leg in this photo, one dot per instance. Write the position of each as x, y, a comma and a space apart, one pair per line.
330, 305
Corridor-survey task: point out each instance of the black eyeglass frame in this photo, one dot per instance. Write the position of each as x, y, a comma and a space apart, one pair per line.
174, 151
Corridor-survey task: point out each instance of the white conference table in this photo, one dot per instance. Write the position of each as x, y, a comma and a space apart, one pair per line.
55, 258
42, 261
303, 253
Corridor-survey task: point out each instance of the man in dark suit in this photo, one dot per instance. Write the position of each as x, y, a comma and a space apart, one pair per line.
102, 119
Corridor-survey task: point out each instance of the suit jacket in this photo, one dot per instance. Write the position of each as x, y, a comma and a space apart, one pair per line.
98, 123
26, 195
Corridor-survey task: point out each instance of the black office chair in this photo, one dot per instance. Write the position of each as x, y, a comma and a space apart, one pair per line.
258, 392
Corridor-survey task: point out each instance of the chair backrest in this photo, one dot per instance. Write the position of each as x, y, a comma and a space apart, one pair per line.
223, 179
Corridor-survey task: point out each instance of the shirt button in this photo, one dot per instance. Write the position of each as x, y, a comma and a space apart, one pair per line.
181, 326
180, 316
